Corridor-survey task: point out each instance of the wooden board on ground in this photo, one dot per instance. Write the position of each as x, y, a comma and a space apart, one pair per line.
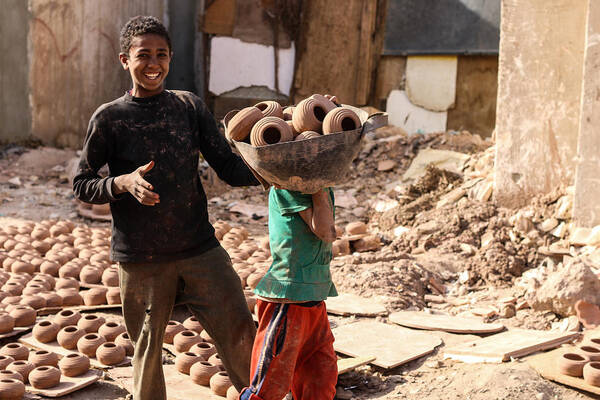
88, 213
67, 384
442, 322
506, 345
350, 304
55, 310
348, 364
54, 347
392, 345
16, 331
179, 386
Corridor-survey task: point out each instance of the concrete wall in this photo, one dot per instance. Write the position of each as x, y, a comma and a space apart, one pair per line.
74, 62
539, 87
15, 118
587, 182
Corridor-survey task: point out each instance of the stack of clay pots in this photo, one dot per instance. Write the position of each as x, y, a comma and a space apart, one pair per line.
268, 122
583, 361
354, 238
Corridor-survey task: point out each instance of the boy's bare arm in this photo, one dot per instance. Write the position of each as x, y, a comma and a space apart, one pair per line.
319, 218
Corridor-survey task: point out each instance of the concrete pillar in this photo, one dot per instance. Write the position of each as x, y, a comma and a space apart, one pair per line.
587, 181
539, 87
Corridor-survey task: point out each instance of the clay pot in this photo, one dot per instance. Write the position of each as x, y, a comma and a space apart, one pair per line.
308, 115
6, 374
44, 377
33, 301
172, 329
94, 296
126, 343
110, 353
232, 393
41, 247
70, 297
11, 389
270, 130
49, 267
203, 349
46, 331
571, 364
23, 315
110, 331
12, 288
90, 323
202, 371
591, 373
184, 361
20, 266
10, 300
113, 295
22, 367
185, 339
66, 318
254, 279
287, 113
66, 283
33, 289
193, 324
215, 359
89, 343
206, 337
307, 135
68, 336
339, 120
270, 108
49, 279
7, 322
40, 233
52, 299
251, 302
241, 124
110, 277
43, 357
90, 274
15, 350
4, 361
591, 352
326, 103
74, 364
219, 383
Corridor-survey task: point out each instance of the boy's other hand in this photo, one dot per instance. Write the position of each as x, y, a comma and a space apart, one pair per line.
135, 184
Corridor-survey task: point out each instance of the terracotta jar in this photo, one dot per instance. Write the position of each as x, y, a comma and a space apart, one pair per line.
254, 278
110, 353
571, 364
49, 267
206, 337
70, 297
110, 277
327, 104
33, 288
202, 371
74, 364
49, 279
270, 130
251, 302
89, 343
45, 331
94, 296
11, 389
34, 301
192, 324
203, 349
44, 377
239, 126
4, 361
43, 357
7, 322
90, 323
591, 352
124, 341
22, 367
12, 288
66, 318
40, 233
219, 383
113, 295
340, 120
287, 113
20, 266
52, 299
591, 373
6, 374
68, 336
66, 283
270, 108
232, 393
110, 330
172, 329
307, 135
90, 274
184, 361
23, 315
308, 115
185, 339
216, 360
15, 350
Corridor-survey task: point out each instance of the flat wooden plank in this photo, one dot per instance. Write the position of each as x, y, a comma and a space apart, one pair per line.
506, 345
67, 384
29, 340
392, 345
219, 17
348, 364
351, 304
16, 331
443, 322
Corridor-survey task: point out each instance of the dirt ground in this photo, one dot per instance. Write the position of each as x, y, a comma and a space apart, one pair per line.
441, 245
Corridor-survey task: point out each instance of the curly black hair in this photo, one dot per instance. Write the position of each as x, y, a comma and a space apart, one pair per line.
141, 25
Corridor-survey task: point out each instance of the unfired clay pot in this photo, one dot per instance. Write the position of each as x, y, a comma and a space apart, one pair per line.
11, 389
571, 364
15, 350
68, 336
287, 113
308, 115
52, 299
74, 364
113, 295
110, 331
307, 135
34, 301
202, 371
172, 329
44, 377
216, 360
13, 288
4, 361
203, 349
90, 323
270, 108
69, 271
124, 341
591, 352
185, 339
184, 361
20, 266
591, 373
270, 130
70, 297
22, 367
49, 267
7, 322
219, 383
327, 104
89, 343
94, 296
90, 274
110, 277
66, 283
32, 289
67, 317
43, 357
110, 353
206, 337
23, 315
6, 374
241, 124
232, 393
192, 324
45, 331
253, 279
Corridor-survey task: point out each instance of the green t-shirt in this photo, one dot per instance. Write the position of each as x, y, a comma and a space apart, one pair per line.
300, 268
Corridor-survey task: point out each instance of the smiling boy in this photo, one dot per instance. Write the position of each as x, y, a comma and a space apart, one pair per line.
151, 139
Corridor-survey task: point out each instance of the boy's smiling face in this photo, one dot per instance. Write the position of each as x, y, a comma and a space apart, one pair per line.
148, 63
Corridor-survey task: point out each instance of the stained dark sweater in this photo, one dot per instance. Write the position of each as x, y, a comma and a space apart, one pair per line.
172, 128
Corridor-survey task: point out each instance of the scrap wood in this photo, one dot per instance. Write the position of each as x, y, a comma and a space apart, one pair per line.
351, 304
443, 322
67, 384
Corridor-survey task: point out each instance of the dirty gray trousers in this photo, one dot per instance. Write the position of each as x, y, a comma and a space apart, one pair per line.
213, 293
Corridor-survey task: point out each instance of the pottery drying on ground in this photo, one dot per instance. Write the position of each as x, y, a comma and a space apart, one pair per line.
110, 353
206, 337
89, 343
6, 374
66, 318
192, 324
70, 297
68, 336
11, 389
591, 373
45, 331
113, 295
22, 367
94, 296
184, 361
185, 339
172, 329
90, 275
34, 301
90, 323
203, 349
66, 283
7, 322
591, 352
74, 364
44, 377
215, 359
202, 371
4, 361
241, 124
110, 277
126, 343
270, 130
571, 364
52, 299
308, 115
15, 350
232, 393
110, 330
43, 357
219, 383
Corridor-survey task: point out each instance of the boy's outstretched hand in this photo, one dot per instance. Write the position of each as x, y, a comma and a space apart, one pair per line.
135, 184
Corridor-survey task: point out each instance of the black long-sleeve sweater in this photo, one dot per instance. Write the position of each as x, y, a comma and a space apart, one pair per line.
171, 128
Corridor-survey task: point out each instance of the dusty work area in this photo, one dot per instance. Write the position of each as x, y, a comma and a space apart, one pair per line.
440, 244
